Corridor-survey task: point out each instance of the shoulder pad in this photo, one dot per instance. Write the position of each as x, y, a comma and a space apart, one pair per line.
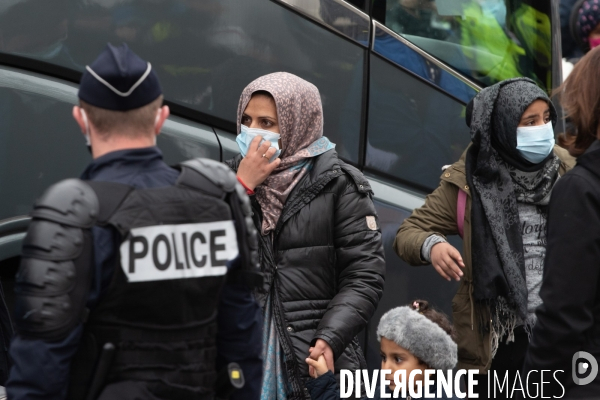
70, 202
216, 172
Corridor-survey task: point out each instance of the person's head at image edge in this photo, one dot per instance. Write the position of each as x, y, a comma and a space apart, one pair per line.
586, 18
120, 102
416, 337
580, 98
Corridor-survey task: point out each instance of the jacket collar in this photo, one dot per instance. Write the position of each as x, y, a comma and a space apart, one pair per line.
125, 161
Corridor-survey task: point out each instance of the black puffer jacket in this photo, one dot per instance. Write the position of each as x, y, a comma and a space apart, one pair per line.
325, 266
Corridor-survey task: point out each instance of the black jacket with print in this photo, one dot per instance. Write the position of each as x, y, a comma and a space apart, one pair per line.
323, 265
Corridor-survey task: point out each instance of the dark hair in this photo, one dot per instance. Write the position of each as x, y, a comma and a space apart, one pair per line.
263, 93
580, 97
434, 316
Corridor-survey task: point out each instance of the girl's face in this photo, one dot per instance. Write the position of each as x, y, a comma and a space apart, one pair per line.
395, 358
538, 113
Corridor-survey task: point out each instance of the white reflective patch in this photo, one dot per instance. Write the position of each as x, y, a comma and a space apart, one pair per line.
162, 252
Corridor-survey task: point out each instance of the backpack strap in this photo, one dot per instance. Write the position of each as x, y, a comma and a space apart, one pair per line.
461, 205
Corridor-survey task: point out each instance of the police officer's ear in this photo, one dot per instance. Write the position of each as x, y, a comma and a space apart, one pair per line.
81, 119
161, 116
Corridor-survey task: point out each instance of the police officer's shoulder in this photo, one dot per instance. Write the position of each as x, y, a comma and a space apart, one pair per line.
53, 279
71, 202
196, 171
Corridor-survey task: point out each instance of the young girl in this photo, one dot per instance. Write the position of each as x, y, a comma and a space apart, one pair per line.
411, 337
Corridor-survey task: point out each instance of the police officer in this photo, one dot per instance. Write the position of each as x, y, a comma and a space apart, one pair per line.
121, 288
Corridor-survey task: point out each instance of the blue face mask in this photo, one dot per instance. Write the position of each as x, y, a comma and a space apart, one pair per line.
535, 143
247, 134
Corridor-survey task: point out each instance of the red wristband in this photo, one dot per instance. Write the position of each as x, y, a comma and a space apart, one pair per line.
249, 191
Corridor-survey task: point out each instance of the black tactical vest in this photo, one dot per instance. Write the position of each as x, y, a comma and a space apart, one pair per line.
157, 321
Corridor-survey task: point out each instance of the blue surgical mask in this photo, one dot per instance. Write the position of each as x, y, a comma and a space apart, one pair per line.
535, 143
247, 134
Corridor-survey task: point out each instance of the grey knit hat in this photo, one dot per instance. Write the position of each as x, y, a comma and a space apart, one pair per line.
421, 337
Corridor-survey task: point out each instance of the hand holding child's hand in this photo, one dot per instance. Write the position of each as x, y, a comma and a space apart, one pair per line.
319, 367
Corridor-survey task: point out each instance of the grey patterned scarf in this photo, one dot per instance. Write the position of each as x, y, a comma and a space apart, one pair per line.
500, 177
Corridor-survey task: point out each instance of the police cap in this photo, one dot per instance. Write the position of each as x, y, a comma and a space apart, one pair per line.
119, 80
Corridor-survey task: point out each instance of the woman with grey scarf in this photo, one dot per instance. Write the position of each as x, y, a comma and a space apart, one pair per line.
506, 176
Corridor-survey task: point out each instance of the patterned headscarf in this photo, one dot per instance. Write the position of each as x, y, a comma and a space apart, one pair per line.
589, 18
300, 117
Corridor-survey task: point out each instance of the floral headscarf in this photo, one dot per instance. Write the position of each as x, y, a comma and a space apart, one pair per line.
300, 117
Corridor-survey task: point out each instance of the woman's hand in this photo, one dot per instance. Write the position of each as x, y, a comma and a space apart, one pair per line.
446, 261
255, 167
321, 349
317, 368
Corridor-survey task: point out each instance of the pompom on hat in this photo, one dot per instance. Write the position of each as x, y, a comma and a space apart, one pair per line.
424, 339
119, 80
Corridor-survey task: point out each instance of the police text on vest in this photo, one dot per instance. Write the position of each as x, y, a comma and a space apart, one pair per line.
164, 252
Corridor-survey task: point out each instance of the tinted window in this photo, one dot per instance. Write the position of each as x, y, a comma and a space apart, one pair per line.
388, 45
338, 15
404, 283
181, 139
40, 143
413, 129
205, 52
487, 40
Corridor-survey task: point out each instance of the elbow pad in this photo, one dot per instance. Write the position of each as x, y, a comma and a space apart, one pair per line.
54, 278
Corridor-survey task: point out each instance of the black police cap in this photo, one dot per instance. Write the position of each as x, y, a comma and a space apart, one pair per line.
119, 80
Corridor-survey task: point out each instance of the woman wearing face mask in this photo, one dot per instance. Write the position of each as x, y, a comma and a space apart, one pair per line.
569, 318
319, 245
496, 197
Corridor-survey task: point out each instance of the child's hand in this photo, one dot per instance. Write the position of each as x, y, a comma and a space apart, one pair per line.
319, 367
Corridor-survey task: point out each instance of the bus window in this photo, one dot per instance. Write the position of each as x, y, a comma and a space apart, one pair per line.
486, 40
206, 52
346, 17
40, 143
413, 128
